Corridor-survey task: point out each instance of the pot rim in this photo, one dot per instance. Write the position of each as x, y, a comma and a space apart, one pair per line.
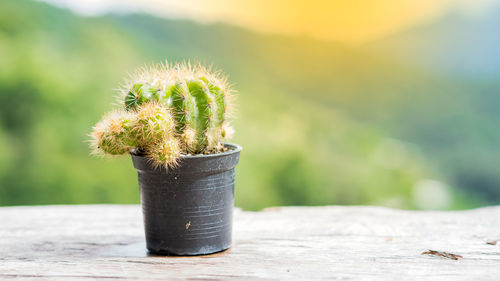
234, 148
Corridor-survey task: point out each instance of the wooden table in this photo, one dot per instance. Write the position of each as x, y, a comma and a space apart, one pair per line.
304, 243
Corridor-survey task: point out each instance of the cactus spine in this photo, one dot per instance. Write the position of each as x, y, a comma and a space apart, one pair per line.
169, 110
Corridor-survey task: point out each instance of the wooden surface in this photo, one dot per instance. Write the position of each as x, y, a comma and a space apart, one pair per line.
332, 243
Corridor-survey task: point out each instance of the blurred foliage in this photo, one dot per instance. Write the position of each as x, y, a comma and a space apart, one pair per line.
320, 123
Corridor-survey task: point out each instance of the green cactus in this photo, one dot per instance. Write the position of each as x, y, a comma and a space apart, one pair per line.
168, 111
197, 98
152, 123
164, 153
150, 129
110, 135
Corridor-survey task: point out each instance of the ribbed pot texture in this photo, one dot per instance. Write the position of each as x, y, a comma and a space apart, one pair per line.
188, 210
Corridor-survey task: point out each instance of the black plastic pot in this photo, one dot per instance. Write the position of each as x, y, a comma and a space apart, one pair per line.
188, 210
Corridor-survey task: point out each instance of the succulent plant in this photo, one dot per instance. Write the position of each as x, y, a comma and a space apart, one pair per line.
197, 97
110, 135
168, 110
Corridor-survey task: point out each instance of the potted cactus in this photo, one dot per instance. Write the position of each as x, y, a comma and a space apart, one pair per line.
173, 121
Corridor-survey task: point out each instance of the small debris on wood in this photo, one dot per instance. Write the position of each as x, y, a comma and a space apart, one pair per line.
442, 254
492, 242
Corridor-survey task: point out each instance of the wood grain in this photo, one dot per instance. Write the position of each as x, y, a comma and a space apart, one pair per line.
104, 242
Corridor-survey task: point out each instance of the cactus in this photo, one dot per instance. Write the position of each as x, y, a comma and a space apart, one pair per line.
169, 110
150, 129
197, 97
152, 123
110, 135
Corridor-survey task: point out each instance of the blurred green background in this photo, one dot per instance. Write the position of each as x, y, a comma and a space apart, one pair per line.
409, 121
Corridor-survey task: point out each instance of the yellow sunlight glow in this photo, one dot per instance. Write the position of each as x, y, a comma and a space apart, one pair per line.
348, 21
